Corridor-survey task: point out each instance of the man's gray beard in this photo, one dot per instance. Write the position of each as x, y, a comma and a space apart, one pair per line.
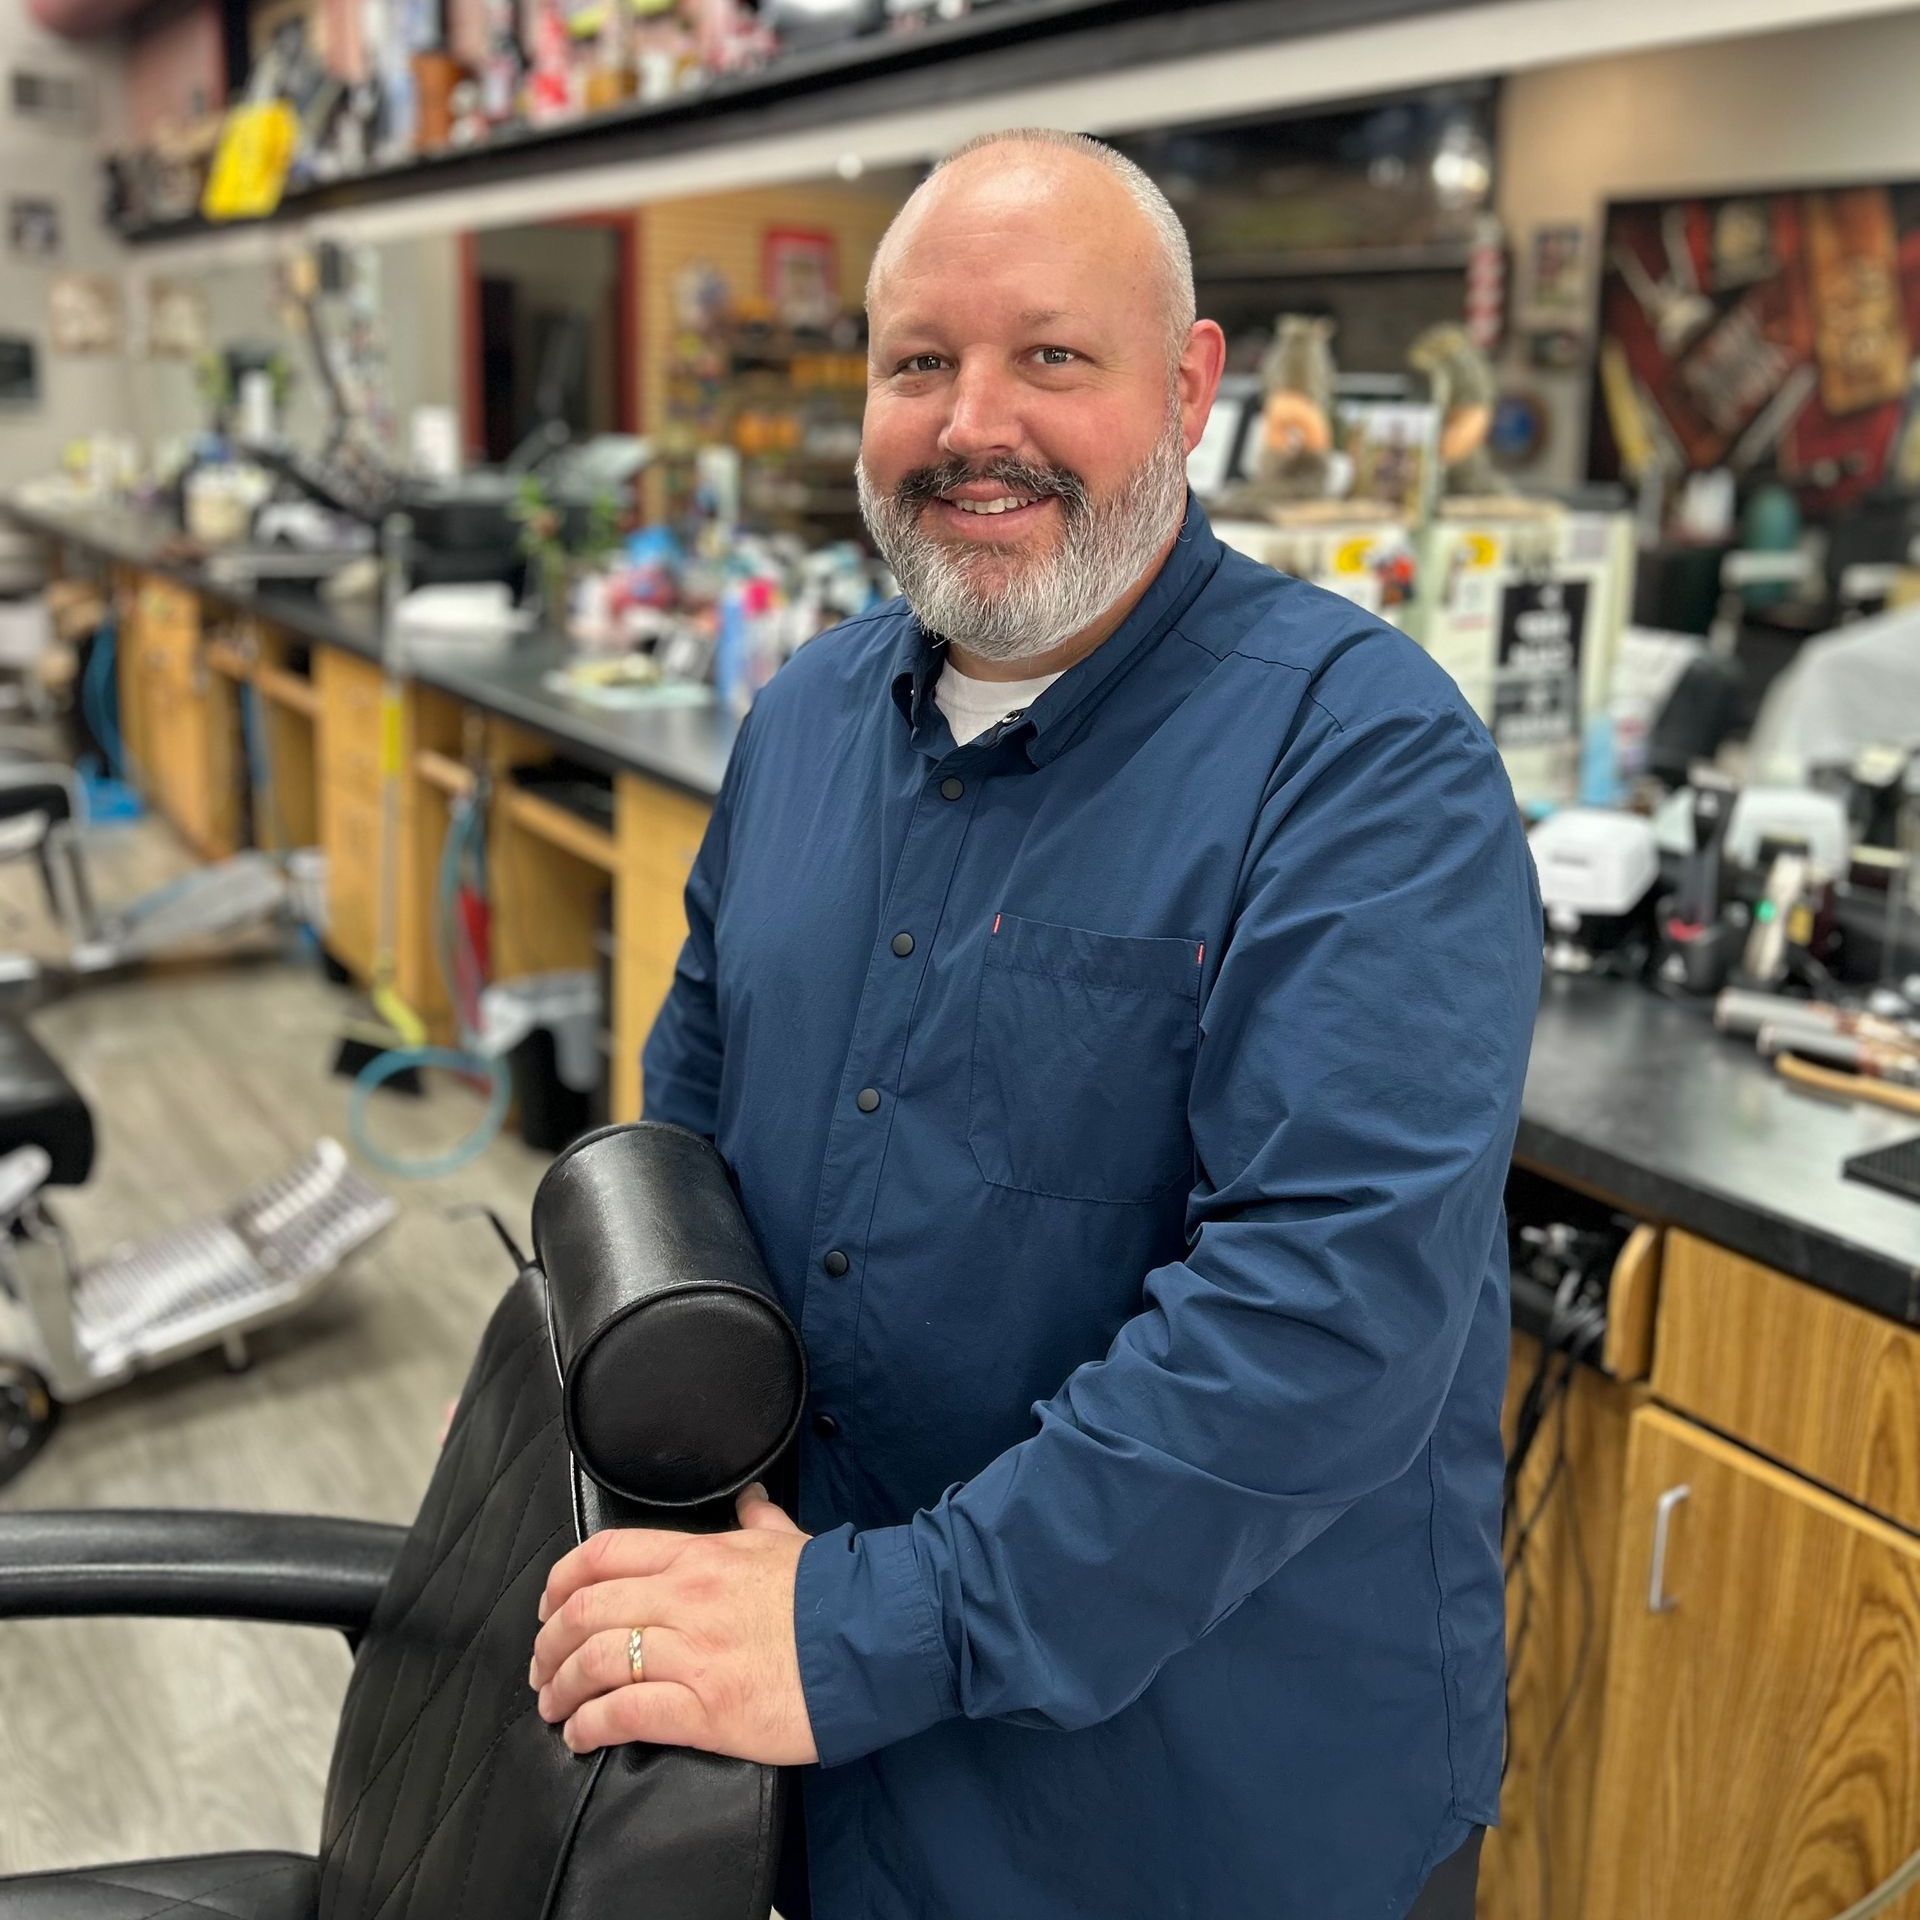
1107, 547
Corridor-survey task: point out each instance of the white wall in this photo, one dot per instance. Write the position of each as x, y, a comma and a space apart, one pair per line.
420, 297
419, 314
1823, 104
78, 394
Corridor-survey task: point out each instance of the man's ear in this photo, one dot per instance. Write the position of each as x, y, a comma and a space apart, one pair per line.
1202, 361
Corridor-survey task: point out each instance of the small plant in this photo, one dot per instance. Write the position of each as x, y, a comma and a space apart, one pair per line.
543, 540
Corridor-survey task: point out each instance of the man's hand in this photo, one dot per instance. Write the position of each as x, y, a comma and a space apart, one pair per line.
721, 1667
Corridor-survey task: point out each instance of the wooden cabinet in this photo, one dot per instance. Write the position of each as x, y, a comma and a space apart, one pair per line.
657, 833
352, 816
1761, 1753
178, 721
1558, 1604
1822, 1386
1558, 1615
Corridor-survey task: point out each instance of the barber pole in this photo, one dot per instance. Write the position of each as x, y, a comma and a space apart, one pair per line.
1486, 301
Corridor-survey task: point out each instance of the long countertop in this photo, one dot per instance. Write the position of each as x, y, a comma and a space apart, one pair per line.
1638, 1098
1629, 1095
685, 747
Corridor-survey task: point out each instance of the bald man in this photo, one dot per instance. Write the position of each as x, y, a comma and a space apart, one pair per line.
1110, 973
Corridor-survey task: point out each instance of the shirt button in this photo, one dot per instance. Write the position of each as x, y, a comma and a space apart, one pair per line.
903, 944
825, 1425
952, 789
867, 1099
836, 1263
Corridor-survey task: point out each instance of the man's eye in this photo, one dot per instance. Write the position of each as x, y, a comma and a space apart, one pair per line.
920, 363
1057, 356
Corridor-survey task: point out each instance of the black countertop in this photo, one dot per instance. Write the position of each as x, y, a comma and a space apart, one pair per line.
1639, 1098
684, 747
1629, 1095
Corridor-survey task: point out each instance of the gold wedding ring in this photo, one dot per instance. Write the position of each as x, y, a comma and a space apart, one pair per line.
636, 1656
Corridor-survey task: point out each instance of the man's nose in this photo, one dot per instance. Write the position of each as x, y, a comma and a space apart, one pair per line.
983, 419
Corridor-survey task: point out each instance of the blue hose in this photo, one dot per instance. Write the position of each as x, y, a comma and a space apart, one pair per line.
97, 696
463, 848
398, 1060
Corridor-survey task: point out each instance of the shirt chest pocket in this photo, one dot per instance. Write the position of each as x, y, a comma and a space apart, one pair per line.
1083, 1053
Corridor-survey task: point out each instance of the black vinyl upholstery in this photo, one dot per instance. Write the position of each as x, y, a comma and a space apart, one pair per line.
41, 1107
52, 797
682, 1377
448, 1796
307, 1569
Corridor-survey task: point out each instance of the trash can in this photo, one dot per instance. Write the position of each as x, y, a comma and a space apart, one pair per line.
546, 1026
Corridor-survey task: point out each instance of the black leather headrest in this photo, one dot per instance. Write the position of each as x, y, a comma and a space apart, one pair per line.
682, 1379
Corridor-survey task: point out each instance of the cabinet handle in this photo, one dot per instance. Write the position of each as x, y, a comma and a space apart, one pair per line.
1658, 1599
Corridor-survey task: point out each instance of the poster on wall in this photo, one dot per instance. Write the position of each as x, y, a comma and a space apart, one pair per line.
33, 228
1767, 333
1536, 683
176, 320
19, 371
800, 278
83, 313
1559, 286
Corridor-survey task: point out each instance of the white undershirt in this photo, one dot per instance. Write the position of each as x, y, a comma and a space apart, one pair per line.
972, 706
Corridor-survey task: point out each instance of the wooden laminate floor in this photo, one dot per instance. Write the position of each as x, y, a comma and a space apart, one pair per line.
120, 1739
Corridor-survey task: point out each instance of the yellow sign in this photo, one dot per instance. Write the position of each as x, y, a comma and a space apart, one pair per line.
1353, 556
250, 165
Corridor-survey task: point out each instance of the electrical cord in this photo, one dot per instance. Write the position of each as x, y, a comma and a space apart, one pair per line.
463, 849
1902, 1879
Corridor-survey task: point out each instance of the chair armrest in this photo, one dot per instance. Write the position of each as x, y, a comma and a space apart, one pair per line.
305, 1569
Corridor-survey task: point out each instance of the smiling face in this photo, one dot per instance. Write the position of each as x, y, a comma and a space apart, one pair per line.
1028, 411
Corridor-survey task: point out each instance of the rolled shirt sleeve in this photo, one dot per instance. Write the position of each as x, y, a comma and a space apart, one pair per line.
1356, 1092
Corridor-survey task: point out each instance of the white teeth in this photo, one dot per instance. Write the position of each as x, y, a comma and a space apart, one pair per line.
1005, 504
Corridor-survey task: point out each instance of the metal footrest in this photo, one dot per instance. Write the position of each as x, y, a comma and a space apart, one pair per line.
207, 903
184, 1290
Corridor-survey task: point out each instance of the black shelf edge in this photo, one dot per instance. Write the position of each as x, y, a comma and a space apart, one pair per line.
1328, 264
997, 49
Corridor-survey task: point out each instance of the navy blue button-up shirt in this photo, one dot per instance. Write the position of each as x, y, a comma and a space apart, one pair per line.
1142, 1219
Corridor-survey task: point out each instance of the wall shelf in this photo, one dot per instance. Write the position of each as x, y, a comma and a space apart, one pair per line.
996, 49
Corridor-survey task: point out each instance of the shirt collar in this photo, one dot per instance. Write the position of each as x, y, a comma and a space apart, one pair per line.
1058, 714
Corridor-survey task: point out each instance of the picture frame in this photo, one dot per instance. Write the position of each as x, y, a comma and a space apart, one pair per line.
19, 371
1559, 284
84, 313
800, 276
33, 227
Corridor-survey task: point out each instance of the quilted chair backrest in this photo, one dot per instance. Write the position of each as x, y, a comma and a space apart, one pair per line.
448, 1797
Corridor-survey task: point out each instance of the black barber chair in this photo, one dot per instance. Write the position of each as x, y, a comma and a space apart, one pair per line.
637, 1373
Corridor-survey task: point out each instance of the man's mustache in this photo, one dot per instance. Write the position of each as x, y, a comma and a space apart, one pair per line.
926, 484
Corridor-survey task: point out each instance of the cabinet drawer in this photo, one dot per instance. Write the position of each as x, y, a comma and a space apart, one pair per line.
354, 769
350, 832
349, 692
167, 611
659, 831
1761, 1756
1824, 1387
169, 655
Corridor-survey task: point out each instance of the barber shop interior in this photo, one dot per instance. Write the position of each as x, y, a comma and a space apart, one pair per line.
959, 960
